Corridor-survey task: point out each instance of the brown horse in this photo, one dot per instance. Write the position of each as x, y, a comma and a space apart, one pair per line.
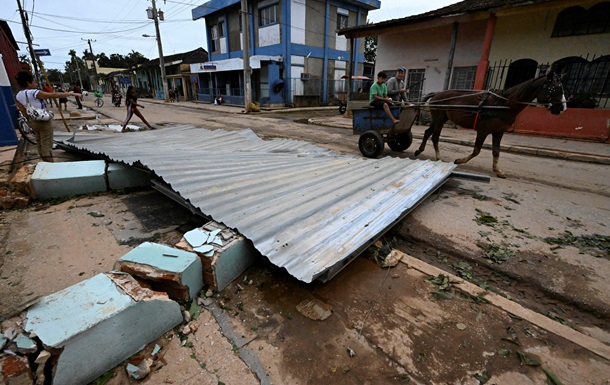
490, 113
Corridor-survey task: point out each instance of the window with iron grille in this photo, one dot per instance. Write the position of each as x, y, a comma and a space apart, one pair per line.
268, 15
415, 83
463, 78
217, 32
342, 21
575, 21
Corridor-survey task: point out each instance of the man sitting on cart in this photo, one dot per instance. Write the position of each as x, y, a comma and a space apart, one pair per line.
396, 86
378, 96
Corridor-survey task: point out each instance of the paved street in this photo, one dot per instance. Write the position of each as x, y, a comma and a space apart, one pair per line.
538, 238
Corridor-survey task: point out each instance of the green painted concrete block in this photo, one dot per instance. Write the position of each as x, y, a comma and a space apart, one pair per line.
177, 272
66, 179
98, 323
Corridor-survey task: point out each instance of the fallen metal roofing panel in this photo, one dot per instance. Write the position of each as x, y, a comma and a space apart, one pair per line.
305, 208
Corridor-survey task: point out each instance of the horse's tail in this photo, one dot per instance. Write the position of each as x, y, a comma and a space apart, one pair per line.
425, 98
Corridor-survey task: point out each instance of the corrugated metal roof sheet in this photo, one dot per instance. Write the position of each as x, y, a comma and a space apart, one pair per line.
305, 208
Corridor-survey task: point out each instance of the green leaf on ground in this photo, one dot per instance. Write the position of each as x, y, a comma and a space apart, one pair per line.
486, 219
194, 310
551, 379
525, 360
482, 377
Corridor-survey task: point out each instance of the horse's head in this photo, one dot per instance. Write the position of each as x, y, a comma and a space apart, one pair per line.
552, 94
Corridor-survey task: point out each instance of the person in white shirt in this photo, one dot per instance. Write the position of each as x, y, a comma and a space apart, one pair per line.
42, 129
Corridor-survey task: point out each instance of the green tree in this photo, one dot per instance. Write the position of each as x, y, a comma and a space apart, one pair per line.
370, 49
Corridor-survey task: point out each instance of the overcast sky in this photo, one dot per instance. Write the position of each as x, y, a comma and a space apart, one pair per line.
117, 26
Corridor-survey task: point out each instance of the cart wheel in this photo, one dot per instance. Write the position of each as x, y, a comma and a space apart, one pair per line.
371, 144
400, 142
342, 108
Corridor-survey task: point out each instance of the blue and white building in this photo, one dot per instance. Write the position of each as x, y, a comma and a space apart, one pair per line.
296, 55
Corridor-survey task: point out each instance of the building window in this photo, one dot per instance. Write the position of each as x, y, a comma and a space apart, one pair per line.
217, 32
575, 21
268, 15
342, 21
463, 78
342, 18
587, 78
415, 83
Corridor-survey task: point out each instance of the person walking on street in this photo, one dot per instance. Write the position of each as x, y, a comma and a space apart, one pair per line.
378, 96
30, 94
396, 86
77, 90
63, 100
131, 101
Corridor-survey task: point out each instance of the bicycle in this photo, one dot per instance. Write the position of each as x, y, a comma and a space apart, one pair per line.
99, 102
24, 128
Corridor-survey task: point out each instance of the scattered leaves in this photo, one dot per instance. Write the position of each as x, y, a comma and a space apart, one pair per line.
484, 218
585, 242
498, 253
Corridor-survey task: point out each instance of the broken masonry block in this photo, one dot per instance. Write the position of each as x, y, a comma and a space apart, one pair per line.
98, 323
65, 179
15, 370
229, 254
25, 344
173, 271
121, 176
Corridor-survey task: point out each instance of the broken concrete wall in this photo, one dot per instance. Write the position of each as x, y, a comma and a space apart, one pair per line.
224, 254
173, 271
94, 325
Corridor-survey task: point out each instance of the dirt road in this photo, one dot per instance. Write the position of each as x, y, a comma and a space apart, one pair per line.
510, 236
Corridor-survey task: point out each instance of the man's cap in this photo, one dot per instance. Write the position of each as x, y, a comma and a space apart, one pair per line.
402, 69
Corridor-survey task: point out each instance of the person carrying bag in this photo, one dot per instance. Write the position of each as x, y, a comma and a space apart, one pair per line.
30, 102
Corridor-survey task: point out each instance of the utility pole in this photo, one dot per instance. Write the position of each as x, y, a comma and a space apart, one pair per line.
28, 36
245, 37
93, 61
80, 81
155, 16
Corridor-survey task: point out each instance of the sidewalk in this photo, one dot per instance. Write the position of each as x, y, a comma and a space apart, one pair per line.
582, 151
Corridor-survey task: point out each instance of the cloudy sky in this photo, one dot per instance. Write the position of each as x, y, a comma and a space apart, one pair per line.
117, 26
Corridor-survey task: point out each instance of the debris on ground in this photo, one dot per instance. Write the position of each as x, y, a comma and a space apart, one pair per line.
393, 258
315, 309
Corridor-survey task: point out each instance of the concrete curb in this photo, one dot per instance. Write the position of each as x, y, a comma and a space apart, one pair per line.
583, 340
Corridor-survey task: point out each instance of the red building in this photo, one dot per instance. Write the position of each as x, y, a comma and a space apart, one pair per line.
8, 49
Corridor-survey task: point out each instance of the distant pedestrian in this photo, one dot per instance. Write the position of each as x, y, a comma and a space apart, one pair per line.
177, 94
131, 101
29, 94
63, 100
77, 90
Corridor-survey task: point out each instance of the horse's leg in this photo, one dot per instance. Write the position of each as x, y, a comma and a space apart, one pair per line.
435, 136
436, 126
422, 146
478, 144
495, 150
